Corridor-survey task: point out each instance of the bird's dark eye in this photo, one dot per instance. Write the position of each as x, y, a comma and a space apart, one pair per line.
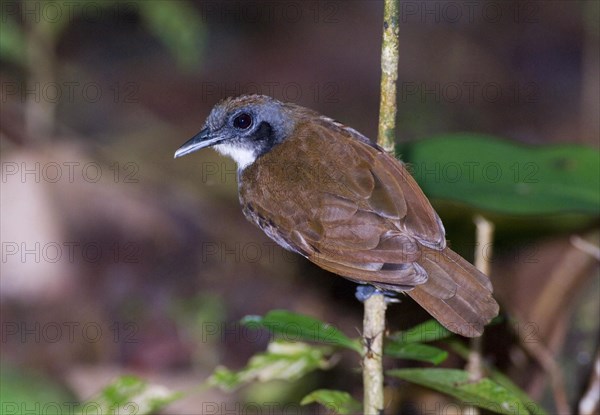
242, 121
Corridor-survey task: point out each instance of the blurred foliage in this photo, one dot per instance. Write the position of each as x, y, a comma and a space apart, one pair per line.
130, 394
282, 360
22, 392
335, 401
197, 316
175, 23
499, 176
178, 26
12, 43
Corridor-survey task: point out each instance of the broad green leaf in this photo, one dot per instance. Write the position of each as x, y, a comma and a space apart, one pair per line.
500, 176
407, 344
503, 380
282, 360
292, 327
130, 394
428, 331
334, 401
415, 351
495, 375
484, 393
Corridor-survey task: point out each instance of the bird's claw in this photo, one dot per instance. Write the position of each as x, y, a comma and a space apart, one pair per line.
364, 292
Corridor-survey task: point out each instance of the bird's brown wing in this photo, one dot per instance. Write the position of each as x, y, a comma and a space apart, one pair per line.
346, 205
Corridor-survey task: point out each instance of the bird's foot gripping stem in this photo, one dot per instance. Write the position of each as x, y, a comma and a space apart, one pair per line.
363, 292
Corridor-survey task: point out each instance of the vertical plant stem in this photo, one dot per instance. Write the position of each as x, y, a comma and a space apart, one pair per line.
485, 240
389, 75
373, 332
374, 313
483, 252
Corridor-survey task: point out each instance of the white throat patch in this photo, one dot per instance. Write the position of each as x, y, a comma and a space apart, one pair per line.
241, 156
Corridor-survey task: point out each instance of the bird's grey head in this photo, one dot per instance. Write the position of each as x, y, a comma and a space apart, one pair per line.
243, 128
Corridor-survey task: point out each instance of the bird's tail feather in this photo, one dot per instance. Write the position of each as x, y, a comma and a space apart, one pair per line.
456, 293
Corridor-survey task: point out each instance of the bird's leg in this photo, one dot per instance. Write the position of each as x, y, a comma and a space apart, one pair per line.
363, 292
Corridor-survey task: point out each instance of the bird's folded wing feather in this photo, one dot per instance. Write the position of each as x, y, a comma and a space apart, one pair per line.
346, 205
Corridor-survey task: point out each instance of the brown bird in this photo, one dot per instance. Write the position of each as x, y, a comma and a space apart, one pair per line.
325, 191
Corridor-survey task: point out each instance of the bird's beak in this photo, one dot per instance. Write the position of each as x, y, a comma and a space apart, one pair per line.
197, 142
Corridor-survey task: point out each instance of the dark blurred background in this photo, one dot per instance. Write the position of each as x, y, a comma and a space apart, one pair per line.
118, 259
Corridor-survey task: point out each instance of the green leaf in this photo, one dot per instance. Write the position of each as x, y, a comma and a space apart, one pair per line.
531, 405
292, 327
415, 351
178, 26
484, 393
499, 176
282, 360
130, 394
407, 344
428, 331
338, 402
495, 375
